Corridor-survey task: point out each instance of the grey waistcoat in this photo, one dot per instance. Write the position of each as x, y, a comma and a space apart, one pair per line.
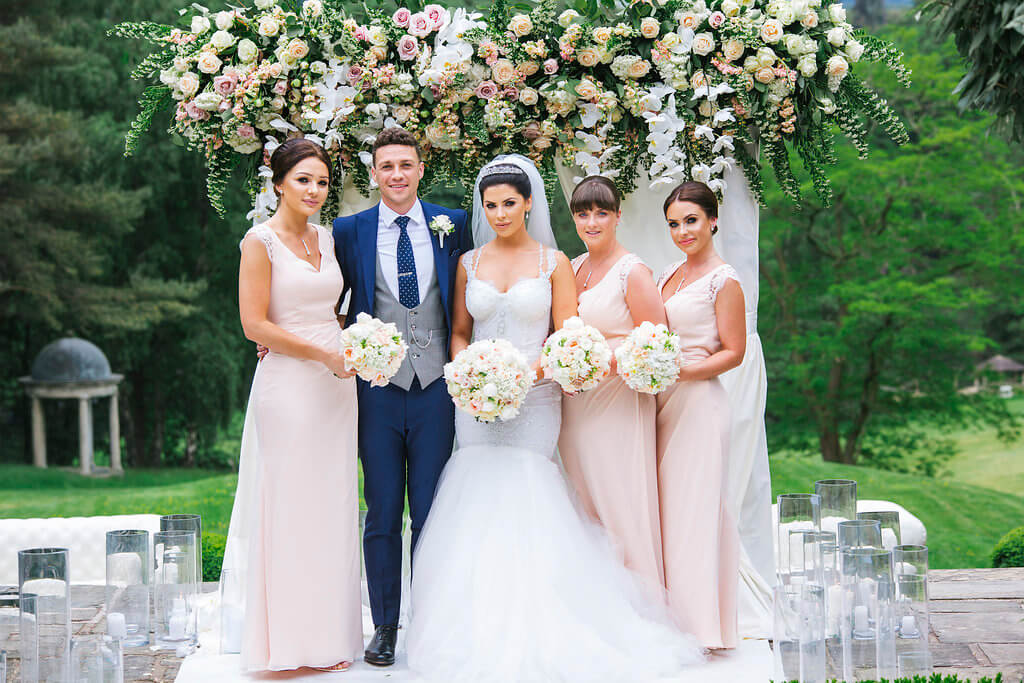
424, 329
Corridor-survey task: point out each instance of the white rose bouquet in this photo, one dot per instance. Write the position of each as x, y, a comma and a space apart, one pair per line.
648, 359
577, 356
489, 379
373, 348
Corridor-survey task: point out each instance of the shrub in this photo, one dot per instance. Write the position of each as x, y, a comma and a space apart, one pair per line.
213, 555
1009, 551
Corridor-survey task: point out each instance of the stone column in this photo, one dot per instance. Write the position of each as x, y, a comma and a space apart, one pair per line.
38, 433
115, 436
85, 435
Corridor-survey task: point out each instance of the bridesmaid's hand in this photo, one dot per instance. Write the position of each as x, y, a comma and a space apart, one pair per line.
261, 352
335, 362
538, 373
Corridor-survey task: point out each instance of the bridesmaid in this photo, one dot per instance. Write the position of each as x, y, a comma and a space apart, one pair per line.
302, 605
607, 443
704, 305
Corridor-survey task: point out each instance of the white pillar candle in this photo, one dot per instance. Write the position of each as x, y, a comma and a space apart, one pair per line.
116, 626
835, 608
176, 623
124, 569
860, 618
231, 623
908, 627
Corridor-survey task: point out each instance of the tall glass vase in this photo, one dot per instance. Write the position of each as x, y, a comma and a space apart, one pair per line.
232, 611
799, 633
838, 501
44, 573
10, 615
28, 637
889, 521
128, 563
859, 533
175, 590
97, 659
867, 624
798, 513
193, 523
913, 618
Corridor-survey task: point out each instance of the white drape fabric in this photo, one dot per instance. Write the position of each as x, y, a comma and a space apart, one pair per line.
643, 232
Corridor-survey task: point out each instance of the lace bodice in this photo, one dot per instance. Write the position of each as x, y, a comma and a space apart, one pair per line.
691, 310
522, 315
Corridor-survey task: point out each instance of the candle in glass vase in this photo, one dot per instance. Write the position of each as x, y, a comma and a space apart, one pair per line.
176, 623
117, 628
860, 618
908, 627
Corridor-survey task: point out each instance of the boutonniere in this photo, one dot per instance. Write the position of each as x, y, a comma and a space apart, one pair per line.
442, 226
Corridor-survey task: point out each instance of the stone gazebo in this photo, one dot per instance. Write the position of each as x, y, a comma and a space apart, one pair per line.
73, 368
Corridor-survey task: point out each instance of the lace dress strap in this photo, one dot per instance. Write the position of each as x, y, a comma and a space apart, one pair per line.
548, 262
718, 279
668, 273
577, 262
264, 234
626, 264
469, 261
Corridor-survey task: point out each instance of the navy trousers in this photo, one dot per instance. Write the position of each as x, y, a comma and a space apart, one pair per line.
405, 439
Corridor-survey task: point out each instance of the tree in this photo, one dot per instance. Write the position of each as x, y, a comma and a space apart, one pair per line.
873, 308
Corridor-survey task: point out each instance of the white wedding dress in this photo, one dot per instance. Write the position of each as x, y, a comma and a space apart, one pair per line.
510, 584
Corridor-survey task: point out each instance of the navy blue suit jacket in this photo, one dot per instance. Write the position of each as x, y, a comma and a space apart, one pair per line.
355, 245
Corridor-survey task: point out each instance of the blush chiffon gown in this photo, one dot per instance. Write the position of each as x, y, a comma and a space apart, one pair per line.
700, 537
607, 442
302, 584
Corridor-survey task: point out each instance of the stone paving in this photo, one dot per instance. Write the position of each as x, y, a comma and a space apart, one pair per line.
977, 627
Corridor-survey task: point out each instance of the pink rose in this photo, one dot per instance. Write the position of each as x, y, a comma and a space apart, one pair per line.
531, 131
420, 25
716, 19
436, 15
225, 85
355, 72
224, 105
511, 93
401, 17
195, 113
246, 131
181, 114
550, 66
486, 90
360, 33
408, 48
280, 88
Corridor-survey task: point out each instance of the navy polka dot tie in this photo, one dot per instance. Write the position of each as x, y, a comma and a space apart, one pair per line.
408, 283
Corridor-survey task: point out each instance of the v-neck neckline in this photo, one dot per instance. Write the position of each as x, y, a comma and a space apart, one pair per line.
683, 289
319, 249
603, 277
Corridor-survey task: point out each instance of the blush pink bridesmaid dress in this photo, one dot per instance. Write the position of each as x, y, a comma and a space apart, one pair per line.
607, 443
700, 538
303, 604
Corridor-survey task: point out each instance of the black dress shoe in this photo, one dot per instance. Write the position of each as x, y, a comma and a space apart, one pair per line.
381, 651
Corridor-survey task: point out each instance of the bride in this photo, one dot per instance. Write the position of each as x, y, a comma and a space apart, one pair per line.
509, 582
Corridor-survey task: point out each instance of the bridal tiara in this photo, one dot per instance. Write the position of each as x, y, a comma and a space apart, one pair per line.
504, 169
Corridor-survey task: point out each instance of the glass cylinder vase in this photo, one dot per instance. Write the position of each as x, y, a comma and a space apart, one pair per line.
44, 573
867, 622
10, 615
175, 589
232, 611
913, 617
798, 513
838, 501
799, 633
28, 638
128, 586
97, 659
859, 533
889, 521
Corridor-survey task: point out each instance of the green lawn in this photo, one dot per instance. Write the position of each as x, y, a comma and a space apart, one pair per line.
984, 460
963, 521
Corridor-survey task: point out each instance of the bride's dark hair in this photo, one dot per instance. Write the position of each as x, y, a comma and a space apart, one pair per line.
506, 174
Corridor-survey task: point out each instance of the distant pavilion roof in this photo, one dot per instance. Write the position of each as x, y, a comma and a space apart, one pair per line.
71, 360
1001, 364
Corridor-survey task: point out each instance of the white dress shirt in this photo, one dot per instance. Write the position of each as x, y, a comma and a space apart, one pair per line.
387, 246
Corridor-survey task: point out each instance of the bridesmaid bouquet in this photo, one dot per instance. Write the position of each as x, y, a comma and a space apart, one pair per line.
489, 379
373, 348
576, 356
648, 359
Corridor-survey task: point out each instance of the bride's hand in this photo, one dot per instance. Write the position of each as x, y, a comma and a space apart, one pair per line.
335, 362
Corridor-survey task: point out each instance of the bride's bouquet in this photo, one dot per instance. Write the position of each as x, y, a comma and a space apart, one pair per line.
648, 359
576, 356
489, 379
373, 348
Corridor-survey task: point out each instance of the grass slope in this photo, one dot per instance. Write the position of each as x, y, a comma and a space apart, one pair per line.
986, 461
964, 522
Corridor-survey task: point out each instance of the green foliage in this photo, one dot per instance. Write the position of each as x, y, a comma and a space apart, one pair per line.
873, 311
214, 545
990, 38
1009, 551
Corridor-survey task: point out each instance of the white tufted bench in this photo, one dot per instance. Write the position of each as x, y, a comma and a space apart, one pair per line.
84, 537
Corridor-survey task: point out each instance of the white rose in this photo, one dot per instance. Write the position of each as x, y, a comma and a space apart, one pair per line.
765, 75
520, 25
268, 26
639, 68
698, 80
733, 49
602, 34
224, 20
188, 84
810, 45
200, 24
800, 7
503, 71
208, 63
312, 8
766, 56
567, 17
827, 105
703, 43
587, 90
786, 15
264, 4
837, 13
810, 19
837, 36
837, 67
528, 96
247, 50
208, 101
222, 39
650, 27
730, 8
771, 31
854, 50
169, 77
807, 65
793, 43
588, 57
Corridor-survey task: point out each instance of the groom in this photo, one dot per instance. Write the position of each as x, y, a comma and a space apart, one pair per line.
401, 270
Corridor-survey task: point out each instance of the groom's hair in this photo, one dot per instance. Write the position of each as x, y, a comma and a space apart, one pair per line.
395, 135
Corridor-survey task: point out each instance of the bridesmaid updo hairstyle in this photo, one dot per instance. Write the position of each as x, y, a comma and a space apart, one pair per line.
595, 192
695, 193
505, 174
291, 152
